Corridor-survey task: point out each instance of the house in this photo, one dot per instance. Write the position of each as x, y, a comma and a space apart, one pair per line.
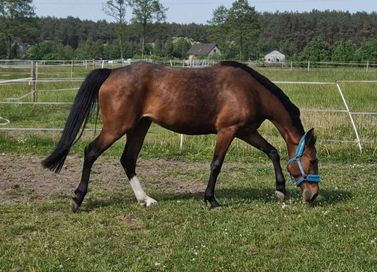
203, 50
274, 57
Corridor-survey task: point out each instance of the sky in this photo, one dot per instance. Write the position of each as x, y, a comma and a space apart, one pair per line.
196, 11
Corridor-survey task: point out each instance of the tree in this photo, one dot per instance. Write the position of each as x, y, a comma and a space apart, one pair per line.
177, 47
367, 51
49, 50
146, 12
89, 50
317, 50
343, 51
117, 10
238, 23
13, 21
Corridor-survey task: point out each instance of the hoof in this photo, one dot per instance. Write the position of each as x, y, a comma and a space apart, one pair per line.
213, 204
148, 202
280, 196
74, 206
217, 207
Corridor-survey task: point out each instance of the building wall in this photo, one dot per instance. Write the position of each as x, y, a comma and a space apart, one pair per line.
274, 57
215, 51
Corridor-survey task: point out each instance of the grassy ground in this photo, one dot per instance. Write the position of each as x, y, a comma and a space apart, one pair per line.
252, 232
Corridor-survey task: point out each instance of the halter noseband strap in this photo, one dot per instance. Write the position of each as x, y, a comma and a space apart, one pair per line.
297, 158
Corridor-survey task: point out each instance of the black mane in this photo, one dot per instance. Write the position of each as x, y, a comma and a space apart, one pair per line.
293, 111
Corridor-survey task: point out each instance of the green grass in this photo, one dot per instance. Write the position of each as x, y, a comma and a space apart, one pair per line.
251, 233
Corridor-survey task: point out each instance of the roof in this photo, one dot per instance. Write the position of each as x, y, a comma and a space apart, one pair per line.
201, 48
275, 52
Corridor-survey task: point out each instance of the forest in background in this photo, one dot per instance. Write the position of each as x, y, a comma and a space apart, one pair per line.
314, 36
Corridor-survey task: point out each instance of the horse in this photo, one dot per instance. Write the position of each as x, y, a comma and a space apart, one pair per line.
228, 99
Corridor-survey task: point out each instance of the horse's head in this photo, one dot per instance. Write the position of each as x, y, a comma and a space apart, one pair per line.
303, 167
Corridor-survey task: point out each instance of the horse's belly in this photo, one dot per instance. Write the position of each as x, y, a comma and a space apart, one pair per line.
184, 125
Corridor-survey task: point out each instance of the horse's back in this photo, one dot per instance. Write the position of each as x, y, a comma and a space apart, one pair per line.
191, 101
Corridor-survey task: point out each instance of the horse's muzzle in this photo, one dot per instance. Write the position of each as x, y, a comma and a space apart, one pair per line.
309, 196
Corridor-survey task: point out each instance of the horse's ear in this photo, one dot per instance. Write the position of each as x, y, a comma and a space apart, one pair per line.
310, 138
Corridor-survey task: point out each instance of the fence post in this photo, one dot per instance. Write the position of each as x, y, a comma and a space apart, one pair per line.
367, 66
291, 65
72, 64
34, 76
351, 118
308, 65
181, 142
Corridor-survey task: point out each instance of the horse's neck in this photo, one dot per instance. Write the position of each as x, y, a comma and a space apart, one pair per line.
283, 122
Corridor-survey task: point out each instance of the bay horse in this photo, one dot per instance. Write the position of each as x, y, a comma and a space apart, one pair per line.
229, 99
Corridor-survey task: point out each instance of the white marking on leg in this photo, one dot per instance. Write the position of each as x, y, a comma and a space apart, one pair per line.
141, 196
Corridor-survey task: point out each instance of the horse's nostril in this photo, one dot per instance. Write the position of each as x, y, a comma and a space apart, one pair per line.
308, 196
314, 196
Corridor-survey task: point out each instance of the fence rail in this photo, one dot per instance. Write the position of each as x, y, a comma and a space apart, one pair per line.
25, 64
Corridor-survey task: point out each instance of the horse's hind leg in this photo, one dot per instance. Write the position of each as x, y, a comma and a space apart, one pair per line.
135, 139
92, 152
256, 140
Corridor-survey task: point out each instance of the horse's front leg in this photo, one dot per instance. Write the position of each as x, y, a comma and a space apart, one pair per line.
223, 140
256, 140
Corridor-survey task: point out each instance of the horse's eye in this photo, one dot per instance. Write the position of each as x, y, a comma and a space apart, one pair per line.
314, 161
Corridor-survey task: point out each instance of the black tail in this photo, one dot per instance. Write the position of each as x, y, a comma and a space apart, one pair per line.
86, 98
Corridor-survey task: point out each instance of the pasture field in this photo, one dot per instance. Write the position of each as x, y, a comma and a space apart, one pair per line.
252, 232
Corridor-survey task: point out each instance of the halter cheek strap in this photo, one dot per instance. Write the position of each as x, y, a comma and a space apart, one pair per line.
297, 158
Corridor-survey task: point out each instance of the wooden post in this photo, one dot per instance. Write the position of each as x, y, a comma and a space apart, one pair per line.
34, 73
308, 65
291, 65
367, 66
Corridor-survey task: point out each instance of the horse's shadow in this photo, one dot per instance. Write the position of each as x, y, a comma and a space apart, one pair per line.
236, 195
329, 197
263, 195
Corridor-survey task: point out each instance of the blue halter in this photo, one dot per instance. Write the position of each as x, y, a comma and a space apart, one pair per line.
304, 177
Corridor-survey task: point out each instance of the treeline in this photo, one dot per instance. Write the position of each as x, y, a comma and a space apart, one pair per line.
321, 36
316, 36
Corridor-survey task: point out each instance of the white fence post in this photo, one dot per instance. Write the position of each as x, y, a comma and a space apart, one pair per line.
34, 76
181, 142
350, 115
72, 66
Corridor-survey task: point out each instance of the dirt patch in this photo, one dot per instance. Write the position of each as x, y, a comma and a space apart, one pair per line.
22, 178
